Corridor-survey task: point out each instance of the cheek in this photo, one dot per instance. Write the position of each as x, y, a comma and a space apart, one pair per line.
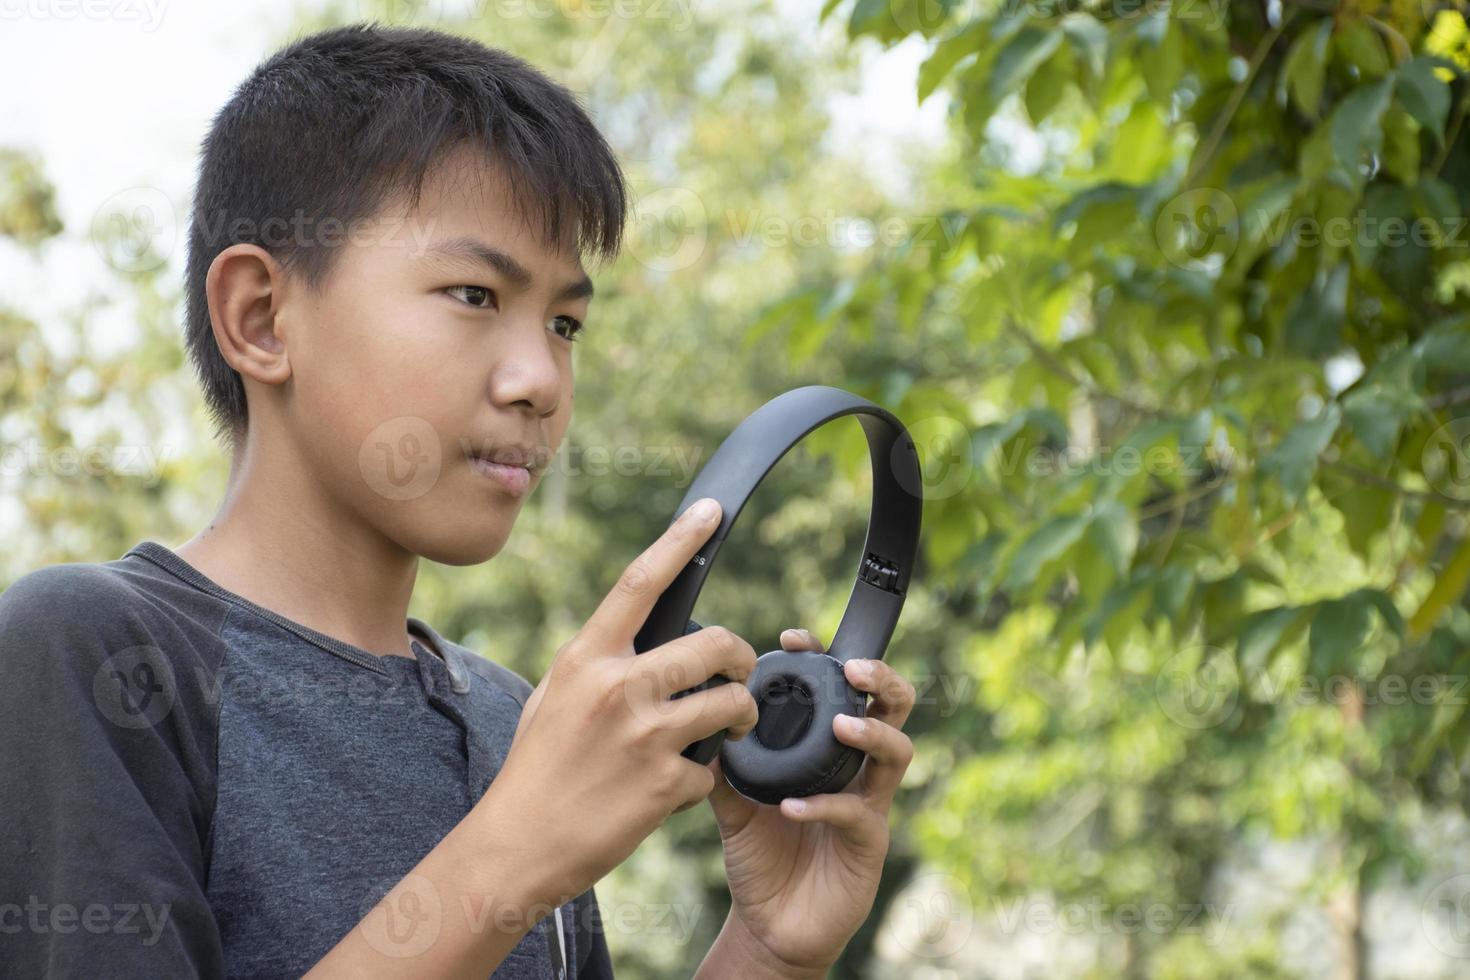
377, 393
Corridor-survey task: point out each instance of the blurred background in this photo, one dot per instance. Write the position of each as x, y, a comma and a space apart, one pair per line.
1175, 299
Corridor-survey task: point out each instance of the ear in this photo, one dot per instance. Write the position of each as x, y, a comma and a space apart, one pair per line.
244, 287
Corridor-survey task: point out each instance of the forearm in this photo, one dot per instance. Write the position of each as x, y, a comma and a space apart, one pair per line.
458, 913
738, 954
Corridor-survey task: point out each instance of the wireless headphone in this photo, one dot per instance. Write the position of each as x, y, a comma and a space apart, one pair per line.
792, 751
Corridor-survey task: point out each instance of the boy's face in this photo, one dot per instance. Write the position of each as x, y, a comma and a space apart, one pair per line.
427, 346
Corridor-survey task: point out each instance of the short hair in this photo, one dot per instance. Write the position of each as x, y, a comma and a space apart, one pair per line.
339, 123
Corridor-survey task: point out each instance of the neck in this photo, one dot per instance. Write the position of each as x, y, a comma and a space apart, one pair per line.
278, 541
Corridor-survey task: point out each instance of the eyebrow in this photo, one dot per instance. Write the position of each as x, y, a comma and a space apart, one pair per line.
501, 262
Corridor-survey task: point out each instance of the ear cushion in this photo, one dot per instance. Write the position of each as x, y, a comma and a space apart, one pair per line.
792, 751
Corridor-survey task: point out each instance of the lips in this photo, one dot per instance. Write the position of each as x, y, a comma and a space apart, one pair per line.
515, 455
515, 479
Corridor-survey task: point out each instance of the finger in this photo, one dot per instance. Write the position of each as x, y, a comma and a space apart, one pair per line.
893, 696
528, 710
849, 813
797, 639
889, 753
622, 611
732, 811
695, 784
724, 707
690, 660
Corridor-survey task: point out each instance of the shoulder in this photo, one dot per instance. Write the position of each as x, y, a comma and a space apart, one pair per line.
76, 627
70, 601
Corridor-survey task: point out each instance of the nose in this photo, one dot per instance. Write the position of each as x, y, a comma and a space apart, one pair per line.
528, 373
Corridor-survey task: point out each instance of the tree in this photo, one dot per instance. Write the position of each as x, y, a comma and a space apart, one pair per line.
1210, 340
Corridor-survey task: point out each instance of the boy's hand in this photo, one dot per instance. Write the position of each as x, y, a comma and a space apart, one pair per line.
595, 765
803, 875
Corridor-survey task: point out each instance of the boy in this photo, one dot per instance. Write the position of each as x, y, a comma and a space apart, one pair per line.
241, 756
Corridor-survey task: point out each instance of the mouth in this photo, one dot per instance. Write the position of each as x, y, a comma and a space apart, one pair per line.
511, 467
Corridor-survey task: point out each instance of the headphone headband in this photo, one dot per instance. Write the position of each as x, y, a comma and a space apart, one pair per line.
744, 459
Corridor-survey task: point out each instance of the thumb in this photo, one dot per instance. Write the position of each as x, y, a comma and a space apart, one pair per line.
528, 710
732, 811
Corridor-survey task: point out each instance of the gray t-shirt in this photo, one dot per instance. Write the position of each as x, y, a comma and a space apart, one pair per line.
191, 784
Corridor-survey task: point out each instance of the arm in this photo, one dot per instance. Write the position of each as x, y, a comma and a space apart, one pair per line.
105, 787
594, 768
736, 953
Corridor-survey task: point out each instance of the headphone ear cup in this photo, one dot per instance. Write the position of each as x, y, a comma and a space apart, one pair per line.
792, 750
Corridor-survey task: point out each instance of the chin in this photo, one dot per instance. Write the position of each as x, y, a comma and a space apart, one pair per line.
461, 548
469, 540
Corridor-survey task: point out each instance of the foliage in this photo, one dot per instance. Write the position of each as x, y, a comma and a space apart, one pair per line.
1215, 382
1179, 322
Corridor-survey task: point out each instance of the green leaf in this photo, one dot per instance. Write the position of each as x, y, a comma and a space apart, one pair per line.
946, 55
1101, 212
1116, 534
1435, 202
1020, 57
1366, 511
1306, 66
1356, 124
1047, 85
1359, 45
1424, 95
1119, 614
1090, 40
1446, 345
1264, 207
1338, 630
1294, 461
1383, 202
867, 17
1387, 611
1260, 635
1047, 543
1376, 412
1401, 145
1172, 588
1314, 323
1162, 60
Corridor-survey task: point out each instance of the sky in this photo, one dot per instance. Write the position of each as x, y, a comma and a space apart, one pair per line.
115, 95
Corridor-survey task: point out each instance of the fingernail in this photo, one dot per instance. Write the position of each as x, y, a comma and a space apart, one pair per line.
863, 667
705, 509
796, 806
854, 724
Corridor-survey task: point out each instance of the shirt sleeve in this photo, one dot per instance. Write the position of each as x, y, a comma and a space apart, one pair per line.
106, 785
593, 960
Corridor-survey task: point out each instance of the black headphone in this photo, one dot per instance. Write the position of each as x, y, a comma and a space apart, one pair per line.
792, 751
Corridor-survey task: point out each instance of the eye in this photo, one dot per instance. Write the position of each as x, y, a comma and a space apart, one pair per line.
571, 324
478, 297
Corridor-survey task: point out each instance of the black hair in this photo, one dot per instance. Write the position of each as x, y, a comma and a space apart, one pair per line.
337, 123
